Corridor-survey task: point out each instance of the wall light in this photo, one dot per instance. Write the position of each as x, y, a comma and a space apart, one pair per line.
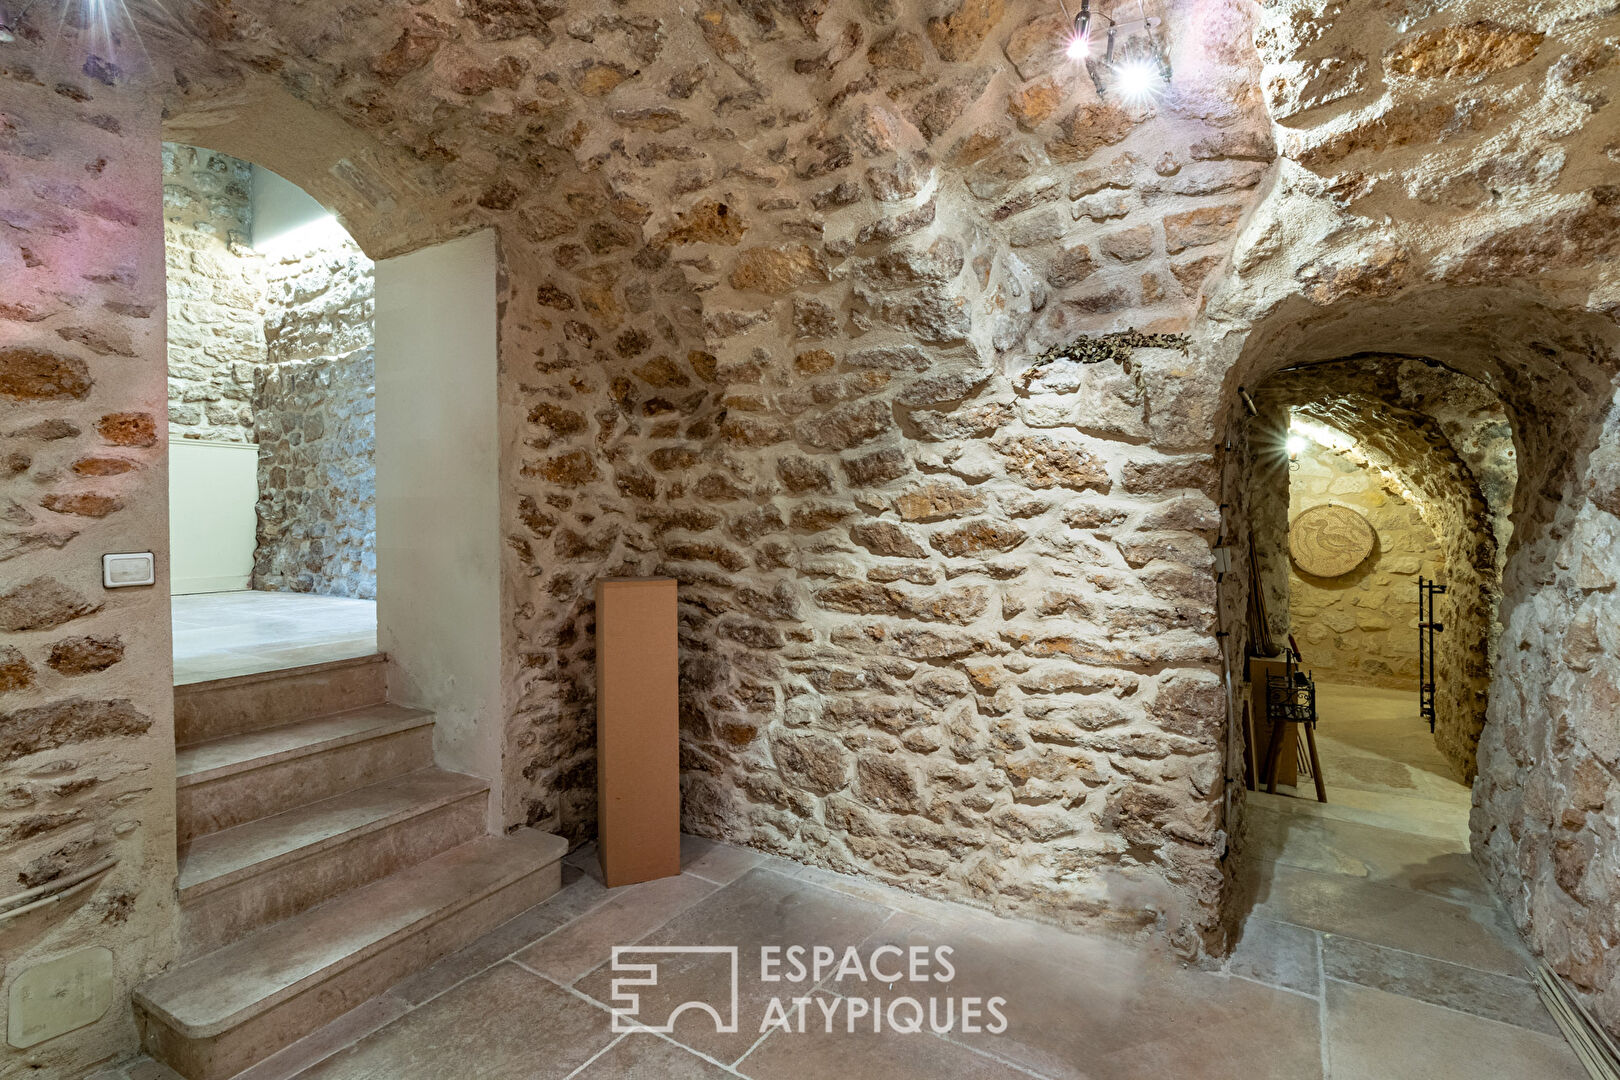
1135, 68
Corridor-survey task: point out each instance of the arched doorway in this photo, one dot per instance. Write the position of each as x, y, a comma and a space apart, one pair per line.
1430, 396
271, 422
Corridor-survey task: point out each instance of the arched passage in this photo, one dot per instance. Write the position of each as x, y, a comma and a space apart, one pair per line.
1544, 763
1434, 440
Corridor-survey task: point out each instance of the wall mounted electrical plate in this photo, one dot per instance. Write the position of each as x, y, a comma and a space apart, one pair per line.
60, 995
128, 568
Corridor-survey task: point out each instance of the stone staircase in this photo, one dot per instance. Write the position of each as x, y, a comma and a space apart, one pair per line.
322, 859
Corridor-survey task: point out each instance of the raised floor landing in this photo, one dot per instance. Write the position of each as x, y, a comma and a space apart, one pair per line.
217, 635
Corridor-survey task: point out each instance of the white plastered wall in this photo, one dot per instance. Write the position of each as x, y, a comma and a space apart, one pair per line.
438, 509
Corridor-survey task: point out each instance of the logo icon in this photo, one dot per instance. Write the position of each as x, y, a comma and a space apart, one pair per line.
679, 965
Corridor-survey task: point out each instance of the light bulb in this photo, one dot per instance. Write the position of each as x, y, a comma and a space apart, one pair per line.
1295, 444
1135, 80
1078, 47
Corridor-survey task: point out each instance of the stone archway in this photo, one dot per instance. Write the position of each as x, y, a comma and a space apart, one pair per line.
1543, 759
1439, 439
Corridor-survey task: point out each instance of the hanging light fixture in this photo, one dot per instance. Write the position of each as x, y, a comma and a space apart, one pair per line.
1135, 68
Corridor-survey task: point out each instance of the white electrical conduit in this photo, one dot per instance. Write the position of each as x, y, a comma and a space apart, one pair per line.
52, 892
1584, 1034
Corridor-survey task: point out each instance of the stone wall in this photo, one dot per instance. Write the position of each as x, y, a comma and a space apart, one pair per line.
948, 613
690, 201
86, 697
1361, 628
216, 294
315, 422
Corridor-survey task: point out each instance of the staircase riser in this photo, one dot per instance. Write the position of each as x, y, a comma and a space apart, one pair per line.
246, 796
225, 1055
209, 710
229, 913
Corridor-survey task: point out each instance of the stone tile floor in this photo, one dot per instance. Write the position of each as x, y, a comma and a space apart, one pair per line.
217, 635
1371, 952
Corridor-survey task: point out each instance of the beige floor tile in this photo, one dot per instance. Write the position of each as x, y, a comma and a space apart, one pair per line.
876, 892
640, 1056
350, 1028
564, 906
217, 635
719, 863
1495, 997
1415, 922
716, 862
1374, 1035
147, 1069
1278, 954
506, 1024
624, 916
760, 908
1082, 1008
1421, 817
830, 1051
1382, 856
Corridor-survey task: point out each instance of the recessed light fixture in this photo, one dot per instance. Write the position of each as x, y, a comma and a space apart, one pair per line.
1134, 66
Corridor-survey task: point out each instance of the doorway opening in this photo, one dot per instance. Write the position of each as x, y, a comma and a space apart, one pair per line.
271, 423
1381, 494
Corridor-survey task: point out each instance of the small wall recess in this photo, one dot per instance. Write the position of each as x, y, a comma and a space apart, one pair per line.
126, 569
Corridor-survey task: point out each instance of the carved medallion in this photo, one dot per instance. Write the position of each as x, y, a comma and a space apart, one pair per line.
1329, 541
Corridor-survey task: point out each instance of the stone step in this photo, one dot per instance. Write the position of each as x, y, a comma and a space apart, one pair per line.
243, 878
220, 1013
219, 707
238, 778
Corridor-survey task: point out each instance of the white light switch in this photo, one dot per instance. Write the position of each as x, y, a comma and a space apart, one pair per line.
129, 568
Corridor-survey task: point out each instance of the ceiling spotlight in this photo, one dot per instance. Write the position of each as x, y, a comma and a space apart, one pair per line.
1133, 64
1079, 45
1136, 80
1078, 48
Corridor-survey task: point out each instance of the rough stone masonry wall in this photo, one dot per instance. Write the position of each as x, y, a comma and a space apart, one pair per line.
216, 294
1546, 823
1264, 479
948, 614
1440, 196
275, 350
86, 696
1360, 628
314, 417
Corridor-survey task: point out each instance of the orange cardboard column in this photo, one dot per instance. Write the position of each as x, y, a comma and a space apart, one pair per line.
638, 771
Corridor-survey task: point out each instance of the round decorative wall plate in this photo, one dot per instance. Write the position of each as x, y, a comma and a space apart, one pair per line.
1329, 541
